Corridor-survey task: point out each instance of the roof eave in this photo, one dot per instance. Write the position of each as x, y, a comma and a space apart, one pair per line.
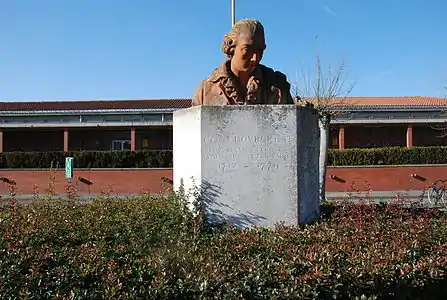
389, 108
89, 111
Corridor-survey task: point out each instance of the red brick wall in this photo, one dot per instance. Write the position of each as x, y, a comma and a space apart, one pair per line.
390, 178
114, 181
149, 180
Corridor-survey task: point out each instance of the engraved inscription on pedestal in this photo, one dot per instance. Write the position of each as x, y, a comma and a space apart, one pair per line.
254, 152
247, 161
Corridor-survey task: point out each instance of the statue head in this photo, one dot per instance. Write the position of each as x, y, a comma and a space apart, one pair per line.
245, 44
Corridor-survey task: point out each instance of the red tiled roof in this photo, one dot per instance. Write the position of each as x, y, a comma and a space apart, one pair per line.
94, 105
404, 101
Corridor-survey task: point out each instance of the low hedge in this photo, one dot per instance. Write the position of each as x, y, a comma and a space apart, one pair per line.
388, 156
163, 159
152, 248
87, 159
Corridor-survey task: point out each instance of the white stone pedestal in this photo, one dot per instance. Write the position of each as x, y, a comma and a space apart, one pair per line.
252, 165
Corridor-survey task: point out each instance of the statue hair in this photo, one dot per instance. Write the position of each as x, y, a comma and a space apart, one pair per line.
250, 26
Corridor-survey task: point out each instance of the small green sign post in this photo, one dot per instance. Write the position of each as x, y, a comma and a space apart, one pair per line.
69, 167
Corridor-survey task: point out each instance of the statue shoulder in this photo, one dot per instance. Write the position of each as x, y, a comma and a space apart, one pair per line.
204, 91
276, 78
281, 77
197, 98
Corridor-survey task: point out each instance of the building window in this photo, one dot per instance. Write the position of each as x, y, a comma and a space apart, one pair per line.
120, 145
153, 117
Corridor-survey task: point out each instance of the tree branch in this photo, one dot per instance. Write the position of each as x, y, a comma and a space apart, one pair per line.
327, 91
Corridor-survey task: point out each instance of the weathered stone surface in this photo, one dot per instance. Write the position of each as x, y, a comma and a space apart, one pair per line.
253, 165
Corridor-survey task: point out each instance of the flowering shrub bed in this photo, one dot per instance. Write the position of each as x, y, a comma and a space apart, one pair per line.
153, 248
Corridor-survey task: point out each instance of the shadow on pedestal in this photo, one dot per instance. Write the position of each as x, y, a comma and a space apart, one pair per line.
218, 212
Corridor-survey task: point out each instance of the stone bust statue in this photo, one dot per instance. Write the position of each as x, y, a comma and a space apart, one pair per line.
241, 79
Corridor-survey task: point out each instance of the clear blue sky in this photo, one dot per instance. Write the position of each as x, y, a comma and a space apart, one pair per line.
144, 49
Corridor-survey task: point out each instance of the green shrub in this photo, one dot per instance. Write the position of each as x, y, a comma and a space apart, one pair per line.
87, 159
163, 158
149, 248
387, 156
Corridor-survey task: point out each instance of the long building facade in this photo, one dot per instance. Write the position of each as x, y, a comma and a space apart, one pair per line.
362, 122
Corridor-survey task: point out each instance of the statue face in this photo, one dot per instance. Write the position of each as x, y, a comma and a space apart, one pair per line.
247, 54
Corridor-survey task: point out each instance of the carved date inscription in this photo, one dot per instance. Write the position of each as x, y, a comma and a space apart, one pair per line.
260, 152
